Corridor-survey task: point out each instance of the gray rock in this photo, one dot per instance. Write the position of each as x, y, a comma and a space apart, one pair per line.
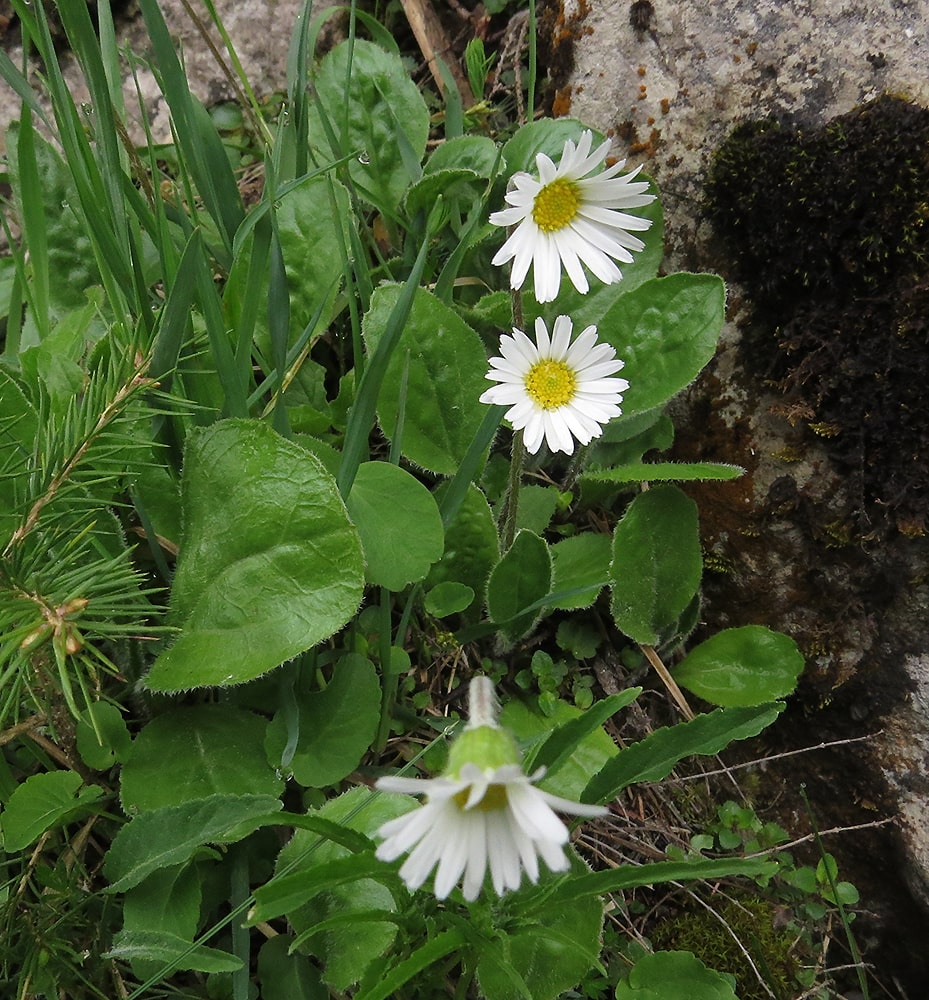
669, 89
260, 32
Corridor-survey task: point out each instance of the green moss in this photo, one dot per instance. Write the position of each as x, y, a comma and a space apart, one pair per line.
757, 925
828, 231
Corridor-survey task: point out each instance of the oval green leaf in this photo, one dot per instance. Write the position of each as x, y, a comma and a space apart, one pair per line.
445, 378
194, 752
337, 724
582, 564
270, 564
521, 579
399, 524
41, 803
472, 546
657, 563
448, 598
674, 975
742, 667
383, 118
665, 331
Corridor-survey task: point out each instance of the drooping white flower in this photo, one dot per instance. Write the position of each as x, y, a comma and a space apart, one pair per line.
571, 216
483, 813
556, 390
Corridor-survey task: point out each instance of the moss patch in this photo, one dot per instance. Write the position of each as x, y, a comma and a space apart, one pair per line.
829, 231
760, 928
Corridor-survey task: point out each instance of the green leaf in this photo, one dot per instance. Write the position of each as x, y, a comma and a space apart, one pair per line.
448, 598
171, 951
165, 837
167, 901
346, 949
432, 951
270, 564
472, 546
629, 876
657, 563
195, 752
665, 331
654, 757
312, 222
579, 637
536, 507
447, 364
651, 472
399, 524
742, 666
43, 802
674, 975
533, 729
382, 115
549, 955
337, 724
102, 736
521, 578
568, 737
287, 977
582, 561
475, 153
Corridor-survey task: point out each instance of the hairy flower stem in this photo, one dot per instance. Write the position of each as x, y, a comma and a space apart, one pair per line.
511, 499
517, 452
574, 469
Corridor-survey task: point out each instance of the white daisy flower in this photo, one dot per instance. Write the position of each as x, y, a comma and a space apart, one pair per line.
556, 390
568, 217
483, 813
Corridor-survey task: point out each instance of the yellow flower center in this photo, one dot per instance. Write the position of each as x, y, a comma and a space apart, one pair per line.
494, 798
556, 205
551, 384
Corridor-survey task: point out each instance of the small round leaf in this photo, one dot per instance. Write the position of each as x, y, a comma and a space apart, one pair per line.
742, 667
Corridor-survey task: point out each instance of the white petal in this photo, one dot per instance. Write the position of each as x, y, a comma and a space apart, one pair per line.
477, 857
411, 786
547, 278
535, 816
542, 339
454, 858
557, 436
547, 169
533, 433
573, 808
561, 338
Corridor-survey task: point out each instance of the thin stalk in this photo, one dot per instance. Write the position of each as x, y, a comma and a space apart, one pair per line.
669, 682
389, 679
511, 499
843, 916
533, 60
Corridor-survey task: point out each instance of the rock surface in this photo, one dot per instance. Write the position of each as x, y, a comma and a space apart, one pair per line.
259, 30
669, 81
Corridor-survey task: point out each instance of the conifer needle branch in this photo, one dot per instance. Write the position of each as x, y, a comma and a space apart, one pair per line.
109, 413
